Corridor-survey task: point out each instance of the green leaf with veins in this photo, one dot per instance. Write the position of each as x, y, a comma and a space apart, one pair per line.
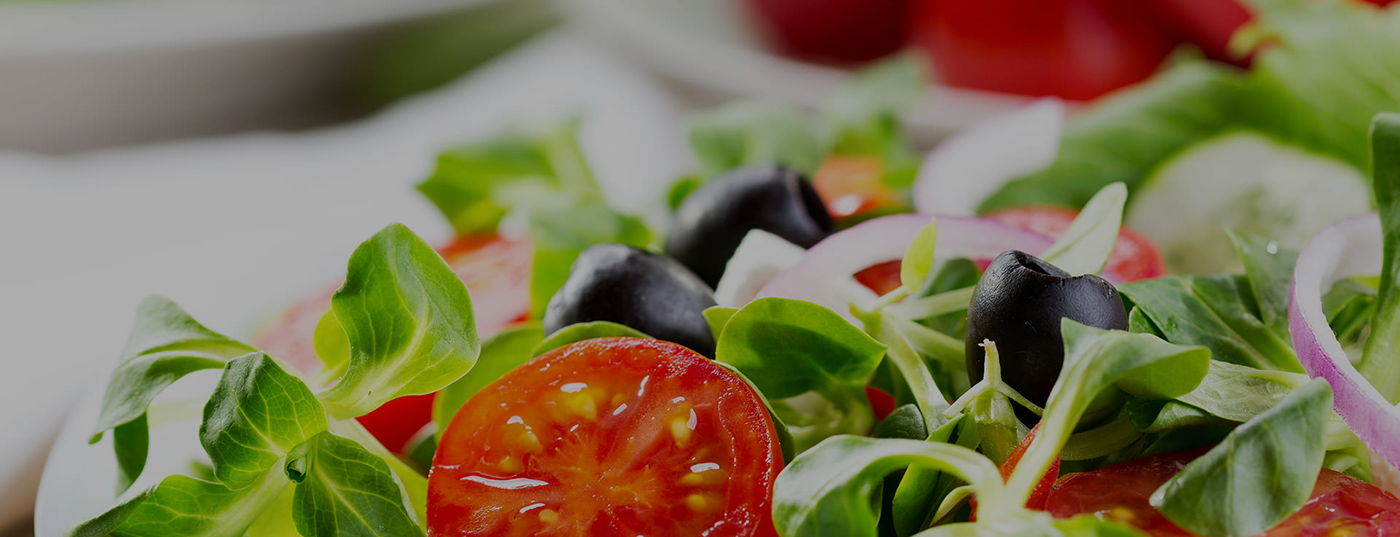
188, 507
1217, 312
344, 490
500, 353
1239, 393
165, 345
828, 490
749, 132
789, 347
409, 322
1262, 473
577, 332
332, 347
258, 413
476, 185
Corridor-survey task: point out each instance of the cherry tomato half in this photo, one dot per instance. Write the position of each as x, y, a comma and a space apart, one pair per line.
1042, 488
497, 273
608, 437
1134, 256
1340, 504
1075, 49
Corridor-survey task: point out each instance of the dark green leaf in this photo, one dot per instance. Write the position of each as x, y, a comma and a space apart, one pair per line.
257, 414
348, 491
1216, 312
717, 317
1378, 363
922, 488
132, 442
575, 333
1085, 245
476, 185
1269, 267
1262, 473
749, 132
409, 322
1349, 306
499, 354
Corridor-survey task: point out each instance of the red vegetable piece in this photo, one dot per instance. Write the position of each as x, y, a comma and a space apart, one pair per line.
881, 403
1074, 49
1134, 256
838, 30
608, 437
1340, 504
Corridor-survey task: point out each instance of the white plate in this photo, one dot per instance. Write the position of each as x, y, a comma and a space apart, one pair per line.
76, 74
708, 46
235, 228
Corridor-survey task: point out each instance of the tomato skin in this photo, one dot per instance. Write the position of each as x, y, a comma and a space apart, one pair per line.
1209, 24
526, 456
851, 186
881, 278
1042, 488
1121, 492
1134, 256
1074, 49
881, 402
496, 271
839, 30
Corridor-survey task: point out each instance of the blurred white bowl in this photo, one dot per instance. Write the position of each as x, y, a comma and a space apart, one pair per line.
77, 74
710, 48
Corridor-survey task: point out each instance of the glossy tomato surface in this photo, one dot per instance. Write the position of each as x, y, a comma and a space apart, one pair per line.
1134, 256
497, 274
1340, 504
1075, 49
608, 437
839, 30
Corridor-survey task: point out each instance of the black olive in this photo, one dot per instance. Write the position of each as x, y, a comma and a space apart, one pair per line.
649, 292
713, 220
1018, 304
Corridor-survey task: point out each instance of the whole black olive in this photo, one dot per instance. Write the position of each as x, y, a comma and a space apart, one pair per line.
646, 291
1018, 304
713, 220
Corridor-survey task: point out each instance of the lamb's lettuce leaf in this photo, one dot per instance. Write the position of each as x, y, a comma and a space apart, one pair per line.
1378, 363
561, 226
476, 185
257, 414
1260, 474
751, 132
408, 319
500, 353
185, 506
343, 489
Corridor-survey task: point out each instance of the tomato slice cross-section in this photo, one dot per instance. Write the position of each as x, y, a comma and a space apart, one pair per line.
613, 436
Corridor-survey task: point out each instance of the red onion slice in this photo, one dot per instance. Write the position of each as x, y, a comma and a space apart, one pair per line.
1350, 247
824, 274
971, 165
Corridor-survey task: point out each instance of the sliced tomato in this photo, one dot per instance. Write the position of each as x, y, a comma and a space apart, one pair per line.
608, 437
1042, 488
1209, 24
497, 273
1075, 49
1134, 256
1340, 504
840, 30
881, 278
852, 185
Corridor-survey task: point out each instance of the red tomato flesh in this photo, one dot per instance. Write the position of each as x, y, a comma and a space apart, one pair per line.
839, 30
851, 185
881, 402
497, 273
1134, 256
1340, 504
608, 437
1042, 488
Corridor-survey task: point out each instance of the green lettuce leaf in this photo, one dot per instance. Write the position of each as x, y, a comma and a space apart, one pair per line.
257, 414
344, 490
499, 353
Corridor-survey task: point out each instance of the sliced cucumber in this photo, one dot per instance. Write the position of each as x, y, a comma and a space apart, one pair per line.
1242, 180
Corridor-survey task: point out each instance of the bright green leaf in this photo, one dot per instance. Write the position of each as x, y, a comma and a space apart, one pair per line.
1269, 267
1378, 363
918, 257
257, 414
717, 317
348, 491
187, 507
789, 347
331, 345
751, 132
1085, 246
409, 322
1214, 312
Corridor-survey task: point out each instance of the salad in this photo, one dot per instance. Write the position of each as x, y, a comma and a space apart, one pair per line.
789, 357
